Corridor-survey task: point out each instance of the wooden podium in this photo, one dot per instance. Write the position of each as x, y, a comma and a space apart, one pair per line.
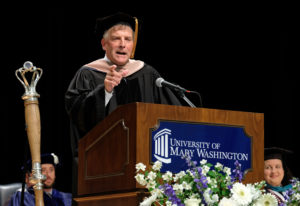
109, 152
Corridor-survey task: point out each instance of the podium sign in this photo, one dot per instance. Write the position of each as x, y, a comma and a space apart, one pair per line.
223, 144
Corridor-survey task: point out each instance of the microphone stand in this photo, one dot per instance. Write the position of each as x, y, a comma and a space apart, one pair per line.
182, 95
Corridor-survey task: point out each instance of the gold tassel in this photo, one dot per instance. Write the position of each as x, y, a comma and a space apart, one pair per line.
135, 37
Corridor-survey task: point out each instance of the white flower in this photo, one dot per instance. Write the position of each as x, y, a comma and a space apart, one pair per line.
140, 178
241, 194
149, 201
205, 169
208, 180
266, 200
219, 166
227, 202
215, 198
297, 196
157, 166
210, 200
151, 176
179, 175
186, 186
206, 196
227, 170
158, 192
255, 193
167, 176
192, 202
228, 178
140, 166
204, 161
194, 196
168, 203
178, 188
151, 184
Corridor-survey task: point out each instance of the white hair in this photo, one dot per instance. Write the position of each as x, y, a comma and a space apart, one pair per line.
116, 27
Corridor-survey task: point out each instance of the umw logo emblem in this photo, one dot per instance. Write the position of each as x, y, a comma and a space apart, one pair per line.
161, 145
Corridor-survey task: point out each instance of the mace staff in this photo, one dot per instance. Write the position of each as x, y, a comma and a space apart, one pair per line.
33, 125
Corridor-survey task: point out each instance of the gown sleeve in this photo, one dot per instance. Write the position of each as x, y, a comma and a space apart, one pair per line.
85, 100
16, 199
85, 103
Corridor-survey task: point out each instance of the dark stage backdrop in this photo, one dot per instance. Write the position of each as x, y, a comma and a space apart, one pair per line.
234, 61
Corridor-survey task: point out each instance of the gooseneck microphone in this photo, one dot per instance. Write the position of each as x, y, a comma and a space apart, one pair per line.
160, 82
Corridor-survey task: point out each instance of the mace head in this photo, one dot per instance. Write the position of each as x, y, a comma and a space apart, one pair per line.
30, 89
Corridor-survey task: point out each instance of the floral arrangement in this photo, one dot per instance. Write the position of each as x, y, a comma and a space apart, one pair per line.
293, 195
205, 184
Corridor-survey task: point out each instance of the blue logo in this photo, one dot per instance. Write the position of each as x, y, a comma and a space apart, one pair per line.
161, 146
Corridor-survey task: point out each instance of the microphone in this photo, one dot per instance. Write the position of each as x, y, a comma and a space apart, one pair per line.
160, 82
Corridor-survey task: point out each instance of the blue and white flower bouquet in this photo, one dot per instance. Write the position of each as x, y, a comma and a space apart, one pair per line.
205, 185
293, 195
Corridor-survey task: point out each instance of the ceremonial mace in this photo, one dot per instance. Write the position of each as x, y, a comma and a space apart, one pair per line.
33, 125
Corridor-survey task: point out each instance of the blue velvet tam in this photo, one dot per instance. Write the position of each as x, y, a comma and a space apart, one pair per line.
47, 158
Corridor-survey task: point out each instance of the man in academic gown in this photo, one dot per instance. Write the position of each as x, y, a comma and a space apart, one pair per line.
52, 197
100, 86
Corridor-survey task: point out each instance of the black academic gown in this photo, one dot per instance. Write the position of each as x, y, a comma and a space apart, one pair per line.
85, 97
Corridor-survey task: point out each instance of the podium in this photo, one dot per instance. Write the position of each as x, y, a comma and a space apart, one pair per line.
109, 152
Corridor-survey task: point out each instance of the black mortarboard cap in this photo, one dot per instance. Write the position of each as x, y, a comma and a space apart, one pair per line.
276, 153
105, 23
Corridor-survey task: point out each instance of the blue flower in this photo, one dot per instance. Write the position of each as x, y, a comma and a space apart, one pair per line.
170, 193
238, 175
